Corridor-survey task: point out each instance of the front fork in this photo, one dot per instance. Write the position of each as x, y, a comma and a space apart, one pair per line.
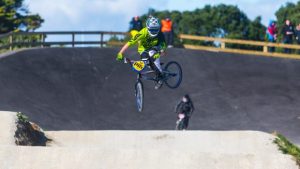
139, 77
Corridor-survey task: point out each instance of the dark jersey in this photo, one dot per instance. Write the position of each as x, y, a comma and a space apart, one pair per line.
136, 25
285, 30
186, 108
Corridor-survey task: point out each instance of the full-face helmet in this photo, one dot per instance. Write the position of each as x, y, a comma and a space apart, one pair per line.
153, 26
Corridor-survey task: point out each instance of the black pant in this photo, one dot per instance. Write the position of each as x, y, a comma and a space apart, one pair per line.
169, 37
186, 122
287, 41
298, 50
271, 49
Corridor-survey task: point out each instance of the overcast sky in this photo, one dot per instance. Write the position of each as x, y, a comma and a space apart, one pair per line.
114, 15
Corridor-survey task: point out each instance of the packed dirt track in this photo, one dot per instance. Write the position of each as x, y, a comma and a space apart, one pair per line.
87, 89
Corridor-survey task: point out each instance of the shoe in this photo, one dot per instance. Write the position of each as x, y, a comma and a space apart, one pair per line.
158, 85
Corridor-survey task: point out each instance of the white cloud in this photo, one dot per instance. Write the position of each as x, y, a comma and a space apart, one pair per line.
80, 14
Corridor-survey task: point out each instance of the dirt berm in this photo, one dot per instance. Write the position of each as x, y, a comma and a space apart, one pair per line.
142, 149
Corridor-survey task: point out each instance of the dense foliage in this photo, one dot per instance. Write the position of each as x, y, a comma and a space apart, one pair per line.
15, 15
289, 11
215, 21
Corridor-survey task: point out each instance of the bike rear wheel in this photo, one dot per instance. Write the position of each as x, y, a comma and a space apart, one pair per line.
179, 125
139, 95
173, 74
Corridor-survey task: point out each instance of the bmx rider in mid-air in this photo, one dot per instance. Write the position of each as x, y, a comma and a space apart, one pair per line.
149, 38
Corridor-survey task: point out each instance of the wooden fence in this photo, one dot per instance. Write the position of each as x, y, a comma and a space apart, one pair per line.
224, 42
33, 39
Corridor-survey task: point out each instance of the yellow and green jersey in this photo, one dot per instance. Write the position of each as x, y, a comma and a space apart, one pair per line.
146, 42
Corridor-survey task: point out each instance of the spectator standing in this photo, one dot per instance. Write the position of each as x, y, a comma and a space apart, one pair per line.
135, 26
288, 33
297, 32
272, 34
167, 30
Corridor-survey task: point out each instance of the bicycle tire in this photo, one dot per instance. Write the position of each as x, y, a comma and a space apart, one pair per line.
179, 125
139, 95
171, 82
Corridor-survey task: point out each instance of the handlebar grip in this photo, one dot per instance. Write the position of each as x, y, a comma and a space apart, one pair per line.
126, 60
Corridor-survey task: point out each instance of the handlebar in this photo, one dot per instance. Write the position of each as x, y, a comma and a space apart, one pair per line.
127, 60
155, 48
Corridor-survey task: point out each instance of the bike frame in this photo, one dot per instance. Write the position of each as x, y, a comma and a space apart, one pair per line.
144, 66
142, 74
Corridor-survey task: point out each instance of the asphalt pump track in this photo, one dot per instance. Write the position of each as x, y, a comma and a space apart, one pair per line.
87, 89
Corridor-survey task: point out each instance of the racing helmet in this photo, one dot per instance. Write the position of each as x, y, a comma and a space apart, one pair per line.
153, 26
186, 98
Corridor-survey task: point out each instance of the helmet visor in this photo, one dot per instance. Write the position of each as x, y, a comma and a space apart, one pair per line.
153, 31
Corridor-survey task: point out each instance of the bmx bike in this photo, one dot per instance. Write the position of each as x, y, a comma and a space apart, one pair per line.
180, 125
172, 76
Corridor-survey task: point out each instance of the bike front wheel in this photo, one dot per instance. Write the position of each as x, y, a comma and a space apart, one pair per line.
139, 95
173, 74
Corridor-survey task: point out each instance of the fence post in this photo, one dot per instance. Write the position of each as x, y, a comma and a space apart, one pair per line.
101, 40
265, 49
223, 46
11, 42
180, 38
42, 40
73, 39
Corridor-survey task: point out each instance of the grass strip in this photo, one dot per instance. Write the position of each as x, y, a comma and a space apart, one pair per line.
287, 147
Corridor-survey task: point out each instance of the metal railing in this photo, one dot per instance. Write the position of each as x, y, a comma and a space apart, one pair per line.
33, 39
224, 43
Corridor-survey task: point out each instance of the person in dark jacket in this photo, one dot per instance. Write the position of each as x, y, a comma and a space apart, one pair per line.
186, 107
135, 26
297, 34
288, 33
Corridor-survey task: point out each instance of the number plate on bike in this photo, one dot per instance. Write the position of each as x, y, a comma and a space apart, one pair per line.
138, 65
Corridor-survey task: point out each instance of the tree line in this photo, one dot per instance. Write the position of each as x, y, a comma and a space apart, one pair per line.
222, 20
226, 21
14, 16
289, 11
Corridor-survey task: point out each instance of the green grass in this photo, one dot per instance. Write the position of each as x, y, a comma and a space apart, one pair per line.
287, 147
21, 117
